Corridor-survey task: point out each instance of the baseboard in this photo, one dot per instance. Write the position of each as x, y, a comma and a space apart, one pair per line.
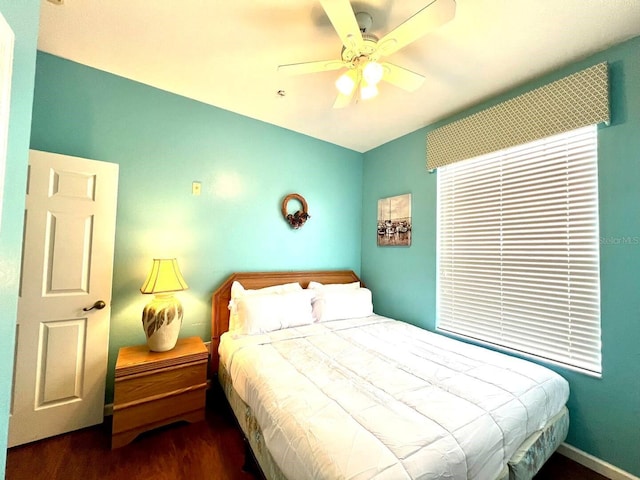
594, 463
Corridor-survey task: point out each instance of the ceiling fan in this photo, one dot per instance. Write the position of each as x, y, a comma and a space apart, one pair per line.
361, 50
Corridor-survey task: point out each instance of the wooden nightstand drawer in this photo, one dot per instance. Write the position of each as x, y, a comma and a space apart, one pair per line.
160, 411
136, 387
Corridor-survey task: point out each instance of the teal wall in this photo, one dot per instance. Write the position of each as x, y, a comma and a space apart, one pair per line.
23, 17
605, 412
162, 143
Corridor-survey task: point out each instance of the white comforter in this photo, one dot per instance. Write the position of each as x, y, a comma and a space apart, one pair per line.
375, 398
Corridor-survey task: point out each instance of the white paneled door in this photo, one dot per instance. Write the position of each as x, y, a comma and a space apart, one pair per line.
6, 65
62, 342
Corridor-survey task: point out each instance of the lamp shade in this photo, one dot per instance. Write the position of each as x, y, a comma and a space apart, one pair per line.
164, 277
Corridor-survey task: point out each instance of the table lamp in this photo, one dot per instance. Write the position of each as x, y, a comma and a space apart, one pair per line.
162, 316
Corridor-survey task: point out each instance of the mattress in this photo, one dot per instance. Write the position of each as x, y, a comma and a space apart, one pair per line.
376, 398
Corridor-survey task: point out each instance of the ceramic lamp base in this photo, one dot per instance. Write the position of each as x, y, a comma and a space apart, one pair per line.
161, 320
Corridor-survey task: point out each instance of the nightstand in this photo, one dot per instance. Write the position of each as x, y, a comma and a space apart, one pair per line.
158, 388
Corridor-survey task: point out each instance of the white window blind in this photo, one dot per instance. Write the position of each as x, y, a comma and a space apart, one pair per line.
518, 252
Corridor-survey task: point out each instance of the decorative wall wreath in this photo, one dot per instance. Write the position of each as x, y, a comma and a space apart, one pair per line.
295, 220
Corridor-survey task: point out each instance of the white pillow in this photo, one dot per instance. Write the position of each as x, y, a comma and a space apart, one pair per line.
238, 291
334, 286
336, 305
272, 311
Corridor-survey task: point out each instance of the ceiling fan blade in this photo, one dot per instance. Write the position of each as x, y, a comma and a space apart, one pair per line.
343, 100
437, 13
310, 67
344, 21
401, 77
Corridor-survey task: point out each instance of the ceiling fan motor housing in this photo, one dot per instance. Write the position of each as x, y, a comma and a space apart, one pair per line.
364, 21
367, 48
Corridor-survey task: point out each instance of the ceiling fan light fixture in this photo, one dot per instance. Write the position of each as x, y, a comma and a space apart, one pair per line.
368, 91
346, 83
373, 73
361, 49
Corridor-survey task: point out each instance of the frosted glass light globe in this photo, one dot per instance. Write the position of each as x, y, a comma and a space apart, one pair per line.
345, 84
368, 91
372, 73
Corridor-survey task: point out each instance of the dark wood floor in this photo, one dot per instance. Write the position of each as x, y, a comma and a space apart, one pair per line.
207, 450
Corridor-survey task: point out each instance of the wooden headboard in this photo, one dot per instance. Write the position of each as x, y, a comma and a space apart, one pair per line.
252, 280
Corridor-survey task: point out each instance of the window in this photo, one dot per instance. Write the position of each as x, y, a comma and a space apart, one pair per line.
518, 252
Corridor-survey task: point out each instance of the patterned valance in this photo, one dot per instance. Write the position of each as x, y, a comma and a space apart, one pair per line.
572, 102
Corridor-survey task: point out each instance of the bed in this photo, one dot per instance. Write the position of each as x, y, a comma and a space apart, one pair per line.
368, 397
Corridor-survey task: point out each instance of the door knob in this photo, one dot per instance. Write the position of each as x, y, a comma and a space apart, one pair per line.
99, 305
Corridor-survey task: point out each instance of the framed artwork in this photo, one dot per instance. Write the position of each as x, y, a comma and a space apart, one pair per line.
394, 221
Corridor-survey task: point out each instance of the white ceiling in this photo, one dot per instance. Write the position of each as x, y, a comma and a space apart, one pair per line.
226, 53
